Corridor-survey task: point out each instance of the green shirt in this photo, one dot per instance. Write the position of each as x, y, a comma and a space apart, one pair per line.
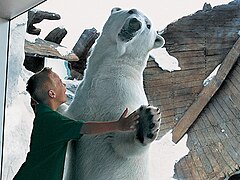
50, 135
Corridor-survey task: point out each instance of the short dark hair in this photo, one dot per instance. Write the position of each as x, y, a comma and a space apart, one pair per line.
234, 177
38, 85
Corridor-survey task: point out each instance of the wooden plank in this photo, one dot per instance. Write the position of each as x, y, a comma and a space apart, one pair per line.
205, 120
186, 169
222, 109
42, 48
210, 117
167, 114
167, 126
192, 60
162, 88
205, 161
238, 66
226, 106
209, 62
198, 164
232, 149
211, 52
167, 104
234, 131
234, 78
236, 123
175, 78
223, 149
218, 116
230, 103
186, 47
192, 168
206, 94
187, 54
215, 166
194, 90
217, 149
159, 88
179, 171
193, 65
233, 95
199, 127
209, 141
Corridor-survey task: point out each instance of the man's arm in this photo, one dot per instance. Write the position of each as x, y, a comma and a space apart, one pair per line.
125, 123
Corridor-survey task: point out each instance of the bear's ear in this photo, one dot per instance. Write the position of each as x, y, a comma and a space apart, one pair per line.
159, 41
115, 9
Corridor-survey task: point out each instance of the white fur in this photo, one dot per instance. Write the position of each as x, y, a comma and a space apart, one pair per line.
112, 81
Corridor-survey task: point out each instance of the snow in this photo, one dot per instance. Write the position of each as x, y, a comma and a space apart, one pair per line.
31, 38
165, 60
63, 51
19, 115
58, 66
211, 76
167, 154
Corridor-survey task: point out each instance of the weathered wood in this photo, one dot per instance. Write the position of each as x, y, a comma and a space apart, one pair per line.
34, 53
216, 30
56, 35
166, 125
225, 105
199, 167
206, 94
85, 42
82, 50
42, 48
233, 94
34, 63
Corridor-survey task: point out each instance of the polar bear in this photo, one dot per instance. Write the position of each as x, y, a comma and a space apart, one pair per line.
113, 80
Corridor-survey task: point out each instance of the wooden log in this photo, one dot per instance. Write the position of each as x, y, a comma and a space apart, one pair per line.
206, 94
33, 63
42, 48
82, 49
56, 35
37, 16
36, 63
85, 42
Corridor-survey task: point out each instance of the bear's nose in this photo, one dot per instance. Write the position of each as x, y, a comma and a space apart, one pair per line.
134, 24
132, 11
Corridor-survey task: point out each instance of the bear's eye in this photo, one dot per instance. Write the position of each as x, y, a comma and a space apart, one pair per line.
130, 11
148, 23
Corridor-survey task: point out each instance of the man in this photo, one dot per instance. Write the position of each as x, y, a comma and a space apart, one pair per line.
52, 131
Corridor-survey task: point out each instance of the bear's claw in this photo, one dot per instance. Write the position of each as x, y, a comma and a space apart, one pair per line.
149, 124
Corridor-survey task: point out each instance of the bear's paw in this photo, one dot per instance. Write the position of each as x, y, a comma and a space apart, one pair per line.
149, 124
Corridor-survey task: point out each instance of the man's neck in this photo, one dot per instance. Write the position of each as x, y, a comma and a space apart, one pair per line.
53, 105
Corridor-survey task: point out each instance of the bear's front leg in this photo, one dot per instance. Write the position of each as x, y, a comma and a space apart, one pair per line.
149, 124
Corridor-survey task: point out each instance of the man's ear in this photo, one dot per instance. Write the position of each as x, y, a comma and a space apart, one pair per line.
51, 93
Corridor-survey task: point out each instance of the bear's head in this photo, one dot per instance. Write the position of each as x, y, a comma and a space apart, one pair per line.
131, 31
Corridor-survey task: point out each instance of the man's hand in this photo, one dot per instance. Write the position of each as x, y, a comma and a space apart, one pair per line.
128, 123
125, 123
